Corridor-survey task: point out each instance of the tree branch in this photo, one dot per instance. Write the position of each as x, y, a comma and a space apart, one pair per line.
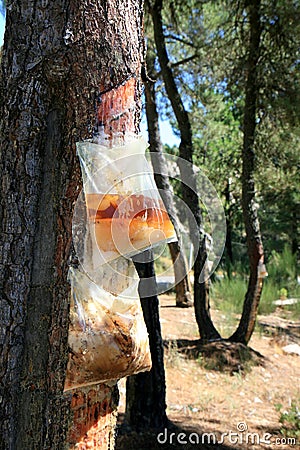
184, 61
177, 64
179, 39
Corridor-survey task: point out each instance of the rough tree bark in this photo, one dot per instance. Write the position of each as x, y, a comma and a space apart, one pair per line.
58, 59
189, 188
254, 241
182, 284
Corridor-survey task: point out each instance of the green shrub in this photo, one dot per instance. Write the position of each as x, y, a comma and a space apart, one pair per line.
269, 294
290, 420
228, 294
282, 269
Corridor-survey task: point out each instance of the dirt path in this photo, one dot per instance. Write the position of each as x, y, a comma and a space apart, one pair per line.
236, 409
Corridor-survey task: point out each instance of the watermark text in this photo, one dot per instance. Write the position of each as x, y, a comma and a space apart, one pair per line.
238, 437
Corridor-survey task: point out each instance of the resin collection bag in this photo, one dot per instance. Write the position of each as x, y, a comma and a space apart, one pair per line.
125, 214
107, 334
118, 214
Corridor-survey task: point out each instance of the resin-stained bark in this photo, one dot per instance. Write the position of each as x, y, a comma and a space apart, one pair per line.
58, 60
94, 417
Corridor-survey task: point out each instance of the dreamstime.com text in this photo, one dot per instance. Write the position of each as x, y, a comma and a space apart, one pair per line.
238, 437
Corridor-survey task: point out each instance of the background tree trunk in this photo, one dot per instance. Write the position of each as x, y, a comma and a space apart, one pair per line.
146, 392
182, 285
58, 59
190, 196
254, 242
228, 243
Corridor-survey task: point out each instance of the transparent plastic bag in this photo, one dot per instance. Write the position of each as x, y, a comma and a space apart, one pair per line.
125, 213
108, 338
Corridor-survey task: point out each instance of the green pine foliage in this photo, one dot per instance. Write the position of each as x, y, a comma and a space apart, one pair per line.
207, 44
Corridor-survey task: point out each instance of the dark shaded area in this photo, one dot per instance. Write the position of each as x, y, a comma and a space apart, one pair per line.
222, 355
173, 437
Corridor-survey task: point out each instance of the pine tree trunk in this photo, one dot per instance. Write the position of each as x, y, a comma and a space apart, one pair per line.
146, 392
189, 187
228, 206
182, 282
254, 242
228, 243
58, 59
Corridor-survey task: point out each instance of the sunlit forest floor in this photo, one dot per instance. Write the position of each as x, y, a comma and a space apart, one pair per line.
246, 400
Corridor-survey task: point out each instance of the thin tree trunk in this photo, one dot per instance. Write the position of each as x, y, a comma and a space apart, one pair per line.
228, 243
294, 232
58, 58
182, 285
189, 188
146, 392
254, 242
